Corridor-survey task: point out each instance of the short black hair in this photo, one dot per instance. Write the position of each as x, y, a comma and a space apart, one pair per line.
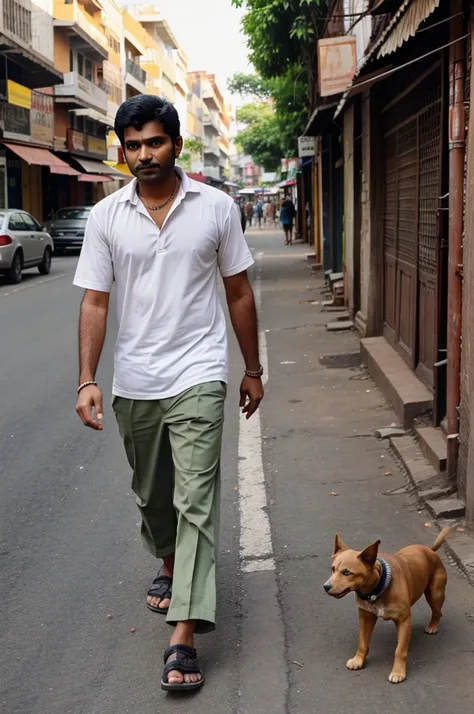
143, 108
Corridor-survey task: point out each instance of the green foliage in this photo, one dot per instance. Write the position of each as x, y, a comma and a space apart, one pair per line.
249, 85
281, 33
261, 137
194, 146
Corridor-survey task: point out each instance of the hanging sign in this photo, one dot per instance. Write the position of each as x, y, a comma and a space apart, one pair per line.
337, 58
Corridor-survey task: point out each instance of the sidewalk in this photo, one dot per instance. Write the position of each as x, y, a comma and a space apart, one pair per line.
326, 472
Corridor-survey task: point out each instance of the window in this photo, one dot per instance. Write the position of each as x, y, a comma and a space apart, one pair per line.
31, 222
16, 223
72, 214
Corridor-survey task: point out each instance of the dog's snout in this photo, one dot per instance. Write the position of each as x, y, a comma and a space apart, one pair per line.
327, 586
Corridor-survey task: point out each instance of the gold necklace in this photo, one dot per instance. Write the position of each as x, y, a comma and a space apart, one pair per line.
162, 205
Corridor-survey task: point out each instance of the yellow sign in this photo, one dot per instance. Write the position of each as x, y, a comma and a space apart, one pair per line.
18, 94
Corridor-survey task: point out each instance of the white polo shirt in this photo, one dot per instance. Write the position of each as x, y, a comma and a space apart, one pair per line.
172, 329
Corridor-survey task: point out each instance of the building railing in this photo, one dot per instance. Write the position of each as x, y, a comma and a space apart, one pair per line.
136, 71
29, 25
78, 86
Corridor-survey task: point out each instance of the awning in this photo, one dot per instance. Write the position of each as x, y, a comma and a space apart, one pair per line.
320, 120
92, 166
401, 27
122, 168
42, 157
94, 178
196, 177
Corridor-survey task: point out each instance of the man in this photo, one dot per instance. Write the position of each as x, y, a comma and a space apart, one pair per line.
287, 217
249, 212
163, 238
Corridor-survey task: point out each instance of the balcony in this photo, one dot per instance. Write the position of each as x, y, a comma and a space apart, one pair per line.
213, 172
210, 97
86, 34
79, 93
211, 147
211, 120
27, 32
135, 76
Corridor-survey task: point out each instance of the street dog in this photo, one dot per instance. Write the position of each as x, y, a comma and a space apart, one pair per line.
387, 586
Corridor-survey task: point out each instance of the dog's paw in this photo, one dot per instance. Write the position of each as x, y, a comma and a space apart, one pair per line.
431, 629
396, 677
355, 663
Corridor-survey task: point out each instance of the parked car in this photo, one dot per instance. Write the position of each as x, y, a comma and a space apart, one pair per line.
67, 227
23, 244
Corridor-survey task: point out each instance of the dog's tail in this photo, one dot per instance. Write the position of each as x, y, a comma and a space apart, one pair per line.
440, 539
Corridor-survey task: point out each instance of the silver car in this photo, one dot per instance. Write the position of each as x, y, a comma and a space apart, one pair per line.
68, 226
23, 244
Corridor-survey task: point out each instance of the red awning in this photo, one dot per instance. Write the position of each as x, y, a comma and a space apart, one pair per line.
196, 177
42, 157
93, 178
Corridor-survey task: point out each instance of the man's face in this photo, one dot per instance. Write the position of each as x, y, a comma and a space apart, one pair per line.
149, 151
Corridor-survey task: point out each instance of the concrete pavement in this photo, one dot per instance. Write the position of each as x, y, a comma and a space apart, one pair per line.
74, 575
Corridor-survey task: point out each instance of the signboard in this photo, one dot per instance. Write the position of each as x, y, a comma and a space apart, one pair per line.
337, 58
293, 164
15, 122
79, 143
76, 141
42, 118
96, 146
18, 95
284, 165
306, 146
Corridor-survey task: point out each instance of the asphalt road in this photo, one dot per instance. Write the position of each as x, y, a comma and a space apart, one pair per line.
73, 573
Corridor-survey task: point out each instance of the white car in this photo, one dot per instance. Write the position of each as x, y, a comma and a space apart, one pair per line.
23, 244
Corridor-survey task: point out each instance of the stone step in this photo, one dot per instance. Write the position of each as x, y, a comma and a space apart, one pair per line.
433, 446
446, 508
400, 386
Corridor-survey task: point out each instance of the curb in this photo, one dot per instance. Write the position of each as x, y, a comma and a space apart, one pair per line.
425, 480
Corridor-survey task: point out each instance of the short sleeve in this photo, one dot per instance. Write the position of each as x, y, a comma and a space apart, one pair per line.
233, 255
95, 268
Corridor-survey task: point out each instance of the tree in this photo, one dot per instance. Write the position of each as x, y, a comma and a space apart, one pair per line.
260, 138
285, 115
282, 34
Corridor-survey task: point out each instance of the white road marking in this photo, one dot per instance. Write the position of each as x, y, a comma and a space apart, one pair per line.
256, 549
33, 284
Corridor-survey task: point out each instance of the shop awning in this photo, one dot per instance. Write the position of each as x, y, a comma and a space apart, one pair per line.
42, 157
93, 166
93, 178
121, 168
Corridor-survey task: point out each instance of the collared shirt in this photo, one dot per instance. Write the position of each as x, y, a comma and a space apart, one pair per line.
171, 326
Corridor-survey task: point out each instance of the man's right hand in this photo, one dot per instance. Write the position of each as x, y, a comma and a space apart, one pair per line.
89, 407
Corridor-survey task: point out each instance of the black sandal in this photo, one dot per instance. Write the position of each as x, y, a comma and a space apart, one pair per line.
160, 587
184, 661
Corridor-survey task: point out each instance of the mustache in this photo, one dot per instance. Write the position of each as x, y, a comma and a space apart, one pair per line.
149, 165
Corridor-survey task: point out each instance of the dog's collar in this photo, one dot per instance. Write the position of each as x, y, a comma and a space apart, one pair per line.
382, 585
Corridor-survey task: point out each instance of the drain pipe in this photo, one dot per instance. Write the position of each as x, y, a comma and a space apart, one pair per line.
457, 71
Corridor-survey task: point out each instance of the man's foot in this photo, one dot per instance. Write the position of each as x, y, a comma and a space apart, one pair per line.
159, 594
183, 635
186, 676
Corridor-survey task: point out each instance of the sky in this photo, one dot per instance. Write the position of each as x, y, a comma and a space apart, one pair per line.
209, 32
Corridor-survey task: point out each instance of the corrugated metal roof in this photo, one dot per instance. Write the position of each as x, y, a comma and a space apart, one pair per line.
408, 25
416, 8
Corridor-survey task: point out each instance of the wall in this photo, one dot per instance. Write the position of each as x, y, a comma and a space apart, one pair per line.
61, 51
365, 237
349, 208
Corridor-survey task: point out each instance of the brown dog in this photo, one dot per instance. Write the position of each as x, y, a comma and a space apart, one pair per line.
387, 586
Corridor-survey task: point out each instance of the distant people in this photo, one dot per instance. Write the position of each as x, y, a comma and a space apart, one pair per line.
271, 213
243, 217
259, 213
249, 212
287, 218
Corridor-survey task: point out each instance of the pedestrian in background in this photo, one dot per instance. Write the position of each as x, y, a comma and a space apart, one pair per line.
259, 212
287, 218
249, 212
171, 359
271, 213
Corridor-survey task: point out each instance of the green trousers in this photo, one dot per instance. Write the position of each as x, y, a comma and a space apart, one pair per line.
174, 446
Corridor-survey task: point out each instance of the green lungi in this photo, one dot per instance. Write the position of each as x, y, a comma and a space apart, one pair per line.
174, 446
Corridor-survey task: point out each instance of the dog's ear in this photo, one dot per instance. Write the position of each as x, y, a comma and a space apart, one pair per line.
369, 555
339, 545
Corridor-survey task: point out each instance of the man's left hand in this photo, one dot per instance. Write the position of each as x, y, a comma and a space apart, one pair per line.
251, 394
